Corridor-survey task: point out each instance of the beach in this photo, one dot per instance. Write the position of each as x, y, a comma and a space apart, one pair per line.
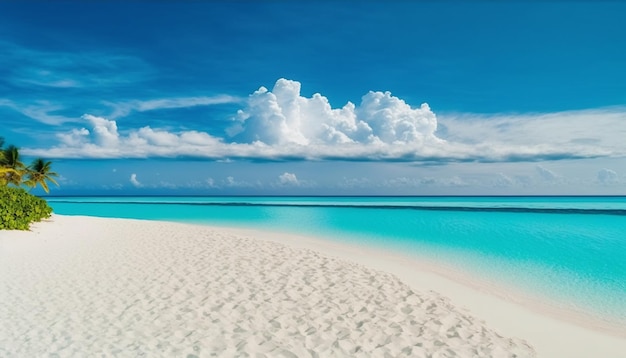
86, 286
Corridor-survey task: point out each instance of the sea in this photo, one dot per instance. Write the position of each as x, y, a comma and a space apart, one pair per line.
570, 251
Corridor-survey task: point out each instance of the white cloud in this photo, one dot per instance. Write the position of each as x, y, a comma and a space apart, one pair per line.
41, 111
283, 116
572, 134
503, 180
168, 185
103, 140
125, 108
284, 125
403, 182
352, 183
104, 131
210, 183
57, 69
134, 181
231, 182
546, 174
76, 138
46, 78
288, 179
607, 176
453, 181
44, 111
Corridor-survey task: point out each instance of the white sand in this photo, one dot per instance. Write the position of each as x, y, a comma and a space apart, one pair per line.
81, 286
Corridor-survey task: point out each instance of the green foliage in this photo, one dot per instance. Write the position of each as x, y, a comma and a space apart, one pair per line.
40, 173
10, 159
14, 172
18, 209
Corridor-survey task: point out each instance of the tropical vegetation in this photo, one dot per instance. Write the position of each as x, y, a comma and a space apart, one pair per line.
19, 208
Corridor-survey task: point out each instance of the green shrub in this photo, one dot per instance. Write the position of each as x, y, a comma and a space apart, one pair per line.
18, 208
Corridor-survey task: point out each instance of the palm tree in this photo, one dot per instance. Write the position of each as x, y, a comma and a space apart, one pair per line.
4, 172
39, 173
2, 168
13, 168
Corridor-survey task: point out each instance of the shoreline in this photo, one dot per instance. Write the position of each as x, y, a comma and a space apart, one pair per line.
549, 336
465, 289
540, 304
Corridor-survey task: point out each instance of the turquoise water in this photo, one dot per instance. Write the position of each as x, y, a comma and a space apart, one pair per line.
571, 250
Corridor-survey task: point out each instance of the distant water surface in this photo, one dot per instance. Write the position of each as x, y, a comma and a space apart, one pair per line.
571, 250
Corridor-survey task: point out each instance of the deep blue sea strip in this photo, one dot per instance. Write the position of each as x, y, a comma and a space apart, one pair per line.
620, 212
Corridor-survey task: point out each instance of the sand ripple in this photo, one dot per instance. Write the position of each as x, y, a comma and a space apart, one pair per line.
132, 288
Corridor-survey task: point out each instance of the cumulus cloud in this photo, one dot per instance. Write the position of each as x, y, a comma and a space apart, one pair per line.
607, 176
105, 131
104, 140
281, 124
288, 179
283, 116
134, 181
278, 125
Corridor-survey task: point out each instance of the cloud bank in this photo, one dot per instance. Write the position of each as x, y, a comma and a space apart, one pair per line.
281, 124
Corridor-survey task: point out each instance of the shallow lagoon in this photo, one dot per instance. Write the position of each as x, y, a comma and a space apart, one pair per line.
570, 250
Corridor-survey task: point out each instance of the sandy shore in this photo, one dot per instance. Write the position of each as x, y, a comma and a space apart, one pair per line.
82, 286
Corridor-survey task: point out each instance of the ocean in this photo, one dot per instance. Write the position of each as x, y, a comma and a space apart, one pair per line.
570, 251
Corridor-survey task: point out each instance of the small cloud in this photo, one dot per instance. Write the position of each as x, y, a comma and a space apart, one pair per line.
288, 179
210, 183
352, 183
546, 174
166, 184
401, 182
134, 181
607, 176
231, 182
453, 181
116, 186
65, 181
503, 180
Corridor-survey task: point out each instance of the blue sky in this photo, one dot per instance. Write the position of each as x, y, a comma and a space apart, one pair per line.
277, 97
